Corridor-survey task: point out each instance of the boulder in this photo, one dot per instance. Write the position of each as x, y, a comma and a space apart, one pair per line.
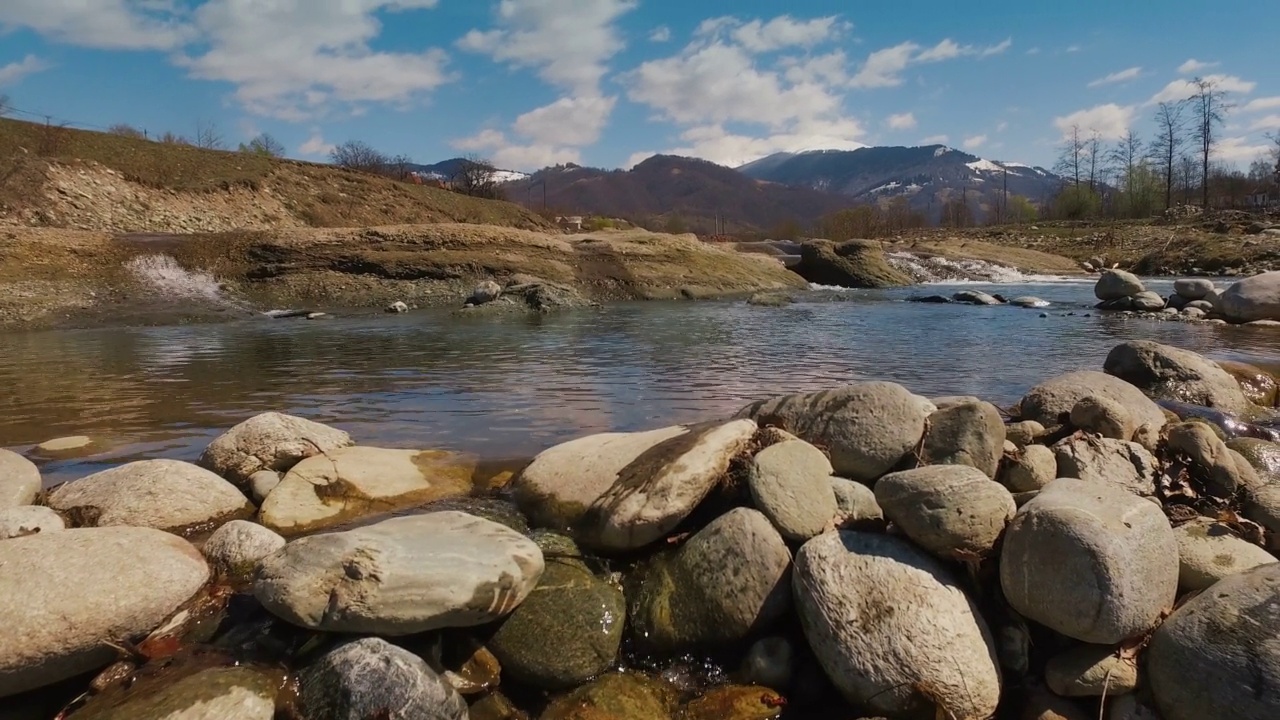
950, 510
1116, 284
1090, 561
1254, 298
853, 264
970, 434
270, 441
616, 696
1258, 385
726, 582
1023, 433
23, 520
855, 503
1171, 373
19, 480
1209, 551
1091, 671
214, 693
1104, 417
1219, 651
974, 297
484, 292
397, 307
1193, 288
163, 494
235, 550
1050, 403
868, 428
65, 595
1029, 301
1198, 442
371, 678
350, 482
1206, 306
790, 484
401, 576
1114, 462
1177, 302
1029, 470
900, 638
1148, 302
622, 491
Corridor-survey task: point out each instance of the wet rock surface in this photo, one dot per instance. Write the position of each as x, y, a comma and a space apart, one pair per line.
369, 678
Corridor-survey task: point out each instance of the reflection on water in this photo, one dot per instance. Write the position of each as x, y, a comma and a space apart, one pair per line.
510, 387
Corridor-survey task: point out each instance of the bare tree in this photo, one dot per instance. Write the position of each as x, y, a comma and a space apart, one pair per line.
1071, 156
264, 145
475, 177
126, 130
1209, 108
170, 138
357, 155
208, 137
1187, 167
1093, 151
399, 167
1165, 149
1125, 161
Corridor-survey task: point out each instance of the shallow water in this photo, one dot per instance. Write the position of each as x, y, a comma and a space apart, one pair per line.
509, 387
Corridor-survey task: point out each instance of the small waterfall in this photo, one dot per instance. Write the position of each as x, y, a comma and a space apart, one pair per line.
937, 269
169, 278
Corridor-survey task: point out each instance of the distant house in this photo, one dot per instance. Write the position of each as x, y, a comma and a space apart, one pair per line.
571, 222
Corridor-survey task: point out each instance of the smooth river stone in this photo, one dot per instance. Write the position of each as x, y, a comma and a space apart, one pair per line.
236, 549
1050, 403
401, 576
790, 483
269, 441
19, 479
26, 520
371, 678
217, 693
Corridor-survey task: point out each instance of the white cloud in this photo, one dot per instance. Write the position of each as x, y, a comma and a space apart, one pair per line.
1002, 126
1267, 122
660, 34
1260, 104
637, 158
1110, 121
1033, 51
901, 121
935, 140
883, 68
569, 121
1117, 77
1074, 48
509, 154
829, 68
1239, 150
785, 31
315, 145
102, 24
1193, 66
14, 72
1182, 89
974, 142
719, 145
997, 49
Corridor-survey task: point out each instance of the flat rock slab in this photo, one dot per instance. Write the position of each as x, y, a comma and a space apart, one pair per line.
63, 595
19, 479
269, 441
622, 491
401, 576
347, 483
163, 494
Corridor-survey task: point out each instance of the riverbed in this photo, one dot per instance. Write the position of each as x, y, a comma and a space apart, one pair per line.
506, 388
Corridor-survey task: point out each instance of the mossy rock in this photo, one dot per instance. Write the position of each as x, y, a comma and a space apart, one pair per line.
617, 696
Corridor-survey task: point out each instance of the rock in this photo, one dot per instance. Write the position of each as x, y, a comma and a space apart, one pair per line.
971, 434
1116, 284
951, 511
1193, 313
770, 299
1262, 505
1131, 707
856, 628
64, 446
1254, 298
1119, 304
566, 632
1090, 671
23, 520
1171, 373
1029, 301
401, 576
949, 401
1219, 651
485, 292
855, 503
930, 299
868, 428
616, 696
1264, 456
270, 441
974, 297
1098, 263
371, 678
622, 491
734, 702
1204, 306
1104, 417
64, 595
1193, 288
1113, 462
19, 480
163, 494
1050, 403
854, 264
1090, 561
1258, 385
236, 549
726, 582
1023, 433
1209, 550
503, 512
214, 693
1198, 442
1148, 302
770, 662
1030, 470
397, 307
789, 483
351, 482
1177, 302
262, 483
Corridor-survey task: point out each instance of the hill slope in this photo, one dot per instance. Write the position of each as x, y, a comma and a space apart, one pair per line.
59, 177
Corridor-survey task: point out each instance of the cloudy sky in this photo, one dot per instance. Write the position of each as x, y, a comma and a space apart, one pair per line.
608, 82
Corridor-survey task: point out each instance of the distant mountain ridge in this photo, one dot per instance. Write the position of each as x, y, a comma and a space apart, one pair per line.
446, 169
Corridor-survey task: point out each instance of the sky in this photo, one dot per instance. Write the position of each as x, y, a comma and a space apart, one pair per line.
606, 83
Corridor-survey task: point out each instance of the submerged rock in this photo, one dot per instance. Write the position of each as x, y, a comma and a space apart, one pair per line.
401, 576
372, 678
949, 510
65, 446
974, 297
270, 441
734, 702
19, 480
1168, 372
790, 483
23, 520
615, 696
215, 693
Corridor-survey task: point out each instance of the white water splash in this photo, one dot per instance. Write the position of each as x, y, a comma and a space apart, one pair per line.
941, 270
164, 274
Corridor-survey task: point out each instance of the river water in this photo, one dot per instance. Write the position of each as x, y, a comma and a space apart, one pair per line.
509, 387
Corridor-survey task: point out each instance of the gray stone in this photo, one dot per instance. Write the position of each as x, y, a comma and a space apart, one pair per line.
236, 549
855, 503
1194, 313
970, 434
23, 520
1204, 306
949, 510
216, 693
270, 441
949, 401
1175, 374
1254, 298
1209, 550
868, 428
1050, 403
372, 678
65, 595
1199, 442
1219, 651
484, 292
1023, 433
622, 491
397, 307
1116, 284
1108, 418
1029, 301
164, 494
262, 483
974, 297
769, 663
1177, 302
790, 484
1090, 561
401, 576
19, 480
1262, 505
1030, 470
1091, 671
1148, 302
1114, 462
729, 580
859, 595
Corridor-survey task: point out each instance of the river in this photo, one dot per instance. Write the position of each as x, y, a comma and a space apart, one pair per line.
509, 387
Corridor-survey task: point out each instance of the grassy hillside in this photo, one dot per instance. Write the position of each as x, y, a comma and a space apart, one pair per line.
61, 177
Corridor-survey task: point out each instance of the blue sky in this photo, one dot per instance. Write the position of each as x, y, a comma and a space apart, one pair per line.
607, 82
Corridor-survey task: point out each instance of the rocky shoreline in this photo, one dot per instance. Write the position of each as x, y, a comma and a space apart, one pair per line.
1105, 547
